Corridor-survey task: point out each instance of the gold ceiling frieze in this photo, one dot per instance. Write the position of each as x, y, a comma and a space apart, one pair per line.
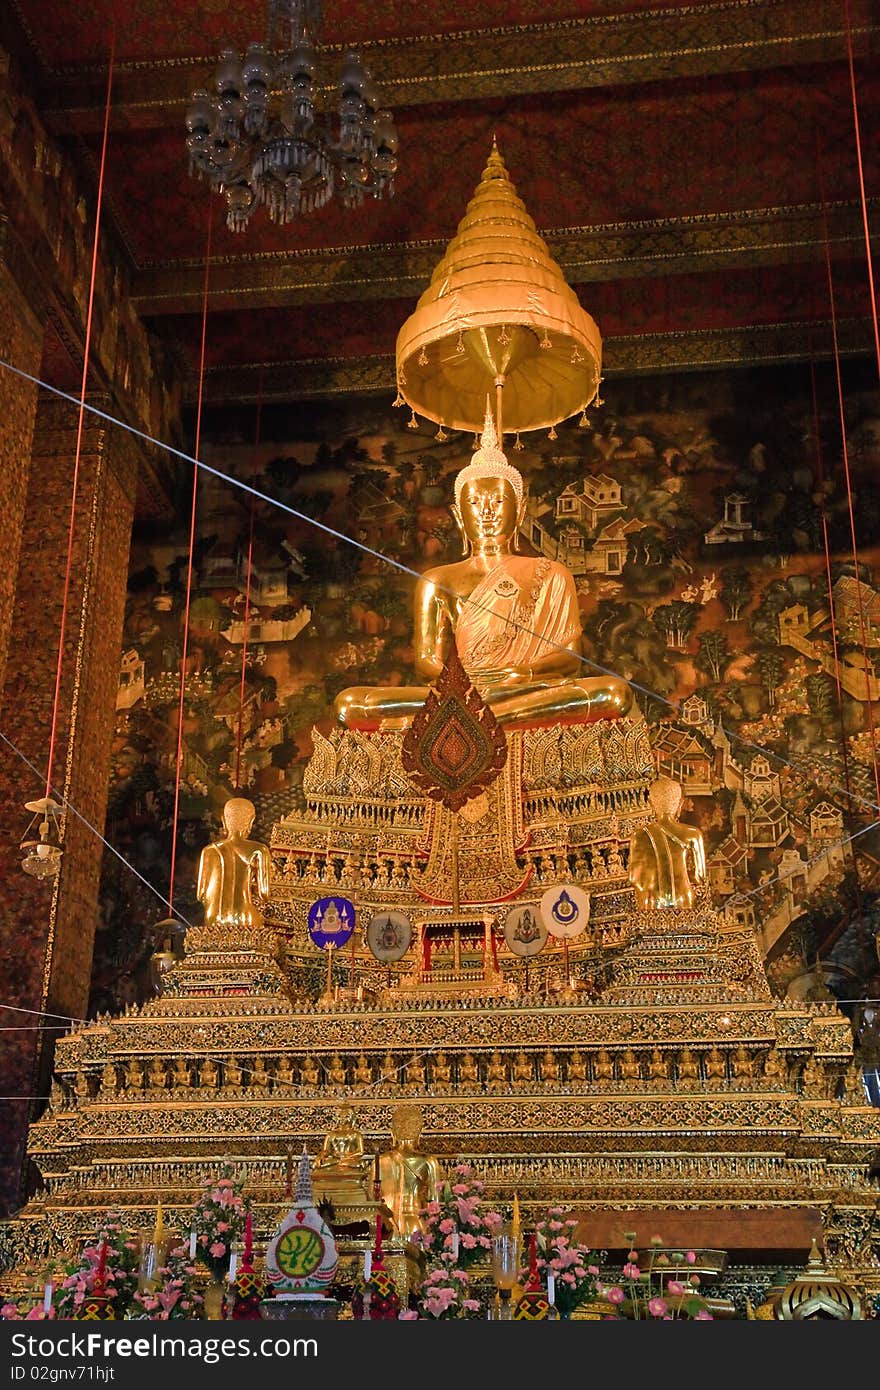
630, 355
619, 250
512, 61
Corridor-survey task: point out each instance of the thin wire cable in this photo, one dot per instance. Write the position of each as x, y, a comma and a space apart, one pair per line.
189, 563
414, 574
68, 806
247, 604
823, 854
71, 530
857, 130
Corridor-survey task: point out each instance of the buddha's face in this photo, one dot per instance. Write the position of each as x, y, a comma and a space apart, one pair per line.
487, 511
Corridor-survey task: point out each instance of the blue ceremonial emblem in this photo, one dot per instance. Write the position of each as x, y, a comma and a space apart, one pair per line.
331, 922
565, 910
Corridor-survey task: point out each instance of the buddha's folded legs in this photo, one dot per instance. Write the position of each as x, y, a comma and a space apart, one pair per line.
393, 707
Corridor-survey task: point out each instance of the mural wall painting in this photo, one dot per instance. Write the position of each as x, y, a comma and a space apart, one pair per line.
693, 512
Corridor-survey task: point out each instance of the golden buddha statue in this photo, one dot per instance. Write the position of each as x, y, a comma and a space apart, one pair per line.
514, 619
181, 1076
409, 1178
522, 1074
496, 1072
232, 1077
549, 1067
134, 1074
468, 1071
284, 1074
310, 1074
209, 1074
363, 1072
813, 1083
156, 1075
441, 1072
335, 1071
108, 1079
343, 1172
630, 1068
774, 1067
666, 855
577, 1066
658, 1066
742, 1065
260, 1078
688, 1069
389, 1072
227, 868
716, 1067
415, 1071
854, 1086
81, 1085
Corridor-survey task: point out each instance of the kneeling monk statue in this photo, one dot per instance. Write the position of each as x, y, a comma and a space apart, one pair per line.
667, 859
514, 618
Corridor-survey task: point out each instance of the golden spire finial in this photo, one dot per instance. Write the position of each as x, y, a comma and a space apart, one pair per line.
489, 439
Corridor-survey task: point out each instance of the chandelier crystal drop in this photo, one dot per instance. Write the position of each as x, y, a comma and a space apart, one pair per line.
262, 140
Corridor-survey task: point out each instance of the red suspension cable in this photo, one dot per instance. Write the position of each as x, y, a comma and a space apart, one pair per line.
247, 605
56, 701
858, 135
189, 564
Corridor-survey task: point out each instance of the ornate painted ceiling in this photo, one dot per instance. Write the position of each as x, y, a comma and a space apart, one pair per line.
675, 156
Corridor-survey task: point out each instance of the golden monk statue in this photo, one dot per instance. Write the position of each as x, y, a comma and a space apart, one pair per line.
577, 1067
496, 1072
742, 1064
335, 1071
415, 1071
108, 1078
441, 1072
209, 1075
688, 1070
181, 1076
513, 618
134, 1074
630, 1067
284, 1073
522, 1074
549, 1067
658, 1067
363, 1072
716, 1067
227, 868
468, 1071
665, 854
410, 1179
310, 1074
342, 1171
157, 1076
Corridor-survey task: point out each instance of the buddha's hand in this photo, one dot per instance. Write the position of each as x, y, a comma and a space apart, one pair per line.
505, 679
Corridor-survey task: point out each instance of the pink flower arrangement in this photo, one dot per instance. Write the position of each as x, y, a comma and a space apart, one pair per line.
177, 1295
444, 1294
458, 1227
219, 1221
84, 1275
655, 1288
559, 1254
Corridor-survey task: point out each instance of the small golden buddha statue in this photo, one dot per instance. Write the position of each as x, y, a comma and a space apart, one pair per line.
415, 1073
260, 1078
181, 1076
284, 1073
409, 1178
310, 1074
716, 1066
389, 1072
549, 1067
228, 868
774, 1067
522, 1074
343, 1172
336, 1071
813, 1080
742, 1064
658, 1066
134, 1074
363, 1072
577, 1067
441, 1072
854, 1086
666, 857
630, 1067
688, 1070
468, 1071
108, 1079
81, 1086
232, 1077
496, 1072
514, 619
209, 1074
157, 1077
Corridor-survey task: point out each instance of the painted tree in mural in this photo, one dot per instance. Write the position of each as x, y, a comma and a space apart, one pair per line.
676, 621
736, 590
821, 696
772, 667
712, 654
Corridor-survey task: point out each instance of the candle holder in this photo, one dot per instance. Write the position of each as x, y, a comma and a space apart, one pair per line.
505, 1271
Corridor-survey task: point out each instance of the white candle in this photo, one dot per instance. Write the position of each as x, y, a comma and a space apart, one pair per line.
551, 1290
368, 1265
47, 1299
192, 1243
455, 1245
233, 1266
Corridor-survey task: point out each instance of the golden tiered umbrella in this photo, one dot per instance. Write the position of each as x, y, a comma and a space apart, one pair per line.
498, 318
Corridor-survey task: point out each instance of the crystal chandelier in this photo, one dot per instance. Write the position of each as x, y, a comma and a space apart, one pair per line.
261, 140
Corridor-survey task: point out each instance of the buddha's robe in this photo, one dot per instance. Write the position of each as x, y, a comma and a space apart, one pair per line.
521, 611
